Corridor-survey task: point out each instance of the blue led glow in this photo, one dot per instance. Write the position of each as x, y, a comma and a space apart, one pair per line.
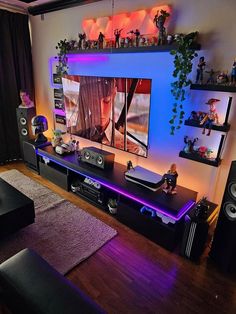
181, 213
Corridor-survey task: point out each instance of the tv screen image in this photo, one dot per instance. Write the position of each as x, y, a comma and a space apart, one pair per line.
109, 110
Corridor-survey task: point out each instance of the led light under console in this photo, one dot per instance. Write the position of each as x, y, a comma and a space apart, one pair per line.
176, 218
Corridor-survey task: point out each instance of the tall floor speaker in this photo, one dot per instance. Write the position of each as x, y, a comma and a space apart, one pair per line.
223, 249
24, 117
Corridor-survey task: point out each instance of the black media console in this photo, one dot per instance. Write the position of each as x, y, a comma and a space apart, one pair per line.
165, 228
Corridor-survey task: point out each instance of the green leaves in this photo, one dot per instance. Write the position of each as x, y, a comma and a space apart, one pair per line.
183, 56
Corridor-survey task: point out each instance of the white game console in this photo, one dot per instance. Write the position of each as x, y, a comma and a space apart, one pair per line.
144, 177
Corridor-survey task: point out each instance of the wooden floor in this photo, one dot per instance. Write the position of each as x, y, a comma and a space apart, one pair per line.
131, 274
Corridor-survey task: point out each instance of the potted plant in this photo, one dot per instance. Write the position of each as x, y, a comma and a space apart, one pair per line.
183, 56
112, 205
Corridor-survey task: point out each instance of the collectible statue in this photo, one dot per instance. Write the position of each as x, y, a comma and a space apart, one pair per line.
56, 138
101, 37
129, 165
222, 78
39, 124
137, 36
233, 73
117, 33
189, 147
211, 79
82, 38
170, 179
160, 21
26, 102
211, 117
200, 68
204, 151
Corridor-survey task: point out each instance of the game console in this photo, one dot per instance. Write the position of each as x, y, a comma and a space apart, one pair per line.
144, 177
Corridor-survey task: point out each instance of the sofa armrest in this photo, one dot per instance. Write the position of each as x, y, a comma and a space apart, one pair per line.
32, 286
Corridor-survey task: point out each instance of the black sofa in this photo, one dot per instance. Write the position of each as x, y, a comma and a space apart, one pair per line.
30, 285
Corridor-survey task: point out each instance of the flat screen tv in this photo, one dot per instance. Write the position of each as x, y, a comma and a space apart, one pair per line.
109, 110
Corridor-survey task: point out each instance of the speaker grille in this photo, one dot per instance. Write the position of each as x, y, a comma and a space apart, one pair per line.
232, 190
230, 211
223, 249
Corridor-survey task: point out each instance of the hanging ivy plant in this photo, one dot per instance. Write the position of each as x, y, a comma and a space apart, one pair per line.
183, 56
63, 47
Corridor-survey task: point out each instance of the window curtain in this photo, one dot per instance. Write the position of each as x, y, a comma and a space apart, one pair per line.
15, 73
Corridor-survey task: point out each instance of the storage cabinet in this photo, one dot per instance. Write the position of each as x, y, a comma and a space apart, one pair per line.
224, 127
163, 220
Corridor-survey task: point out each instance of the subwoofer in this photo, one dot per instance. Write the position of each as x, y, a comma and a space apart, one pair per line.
223, 249
97, 157
24, 117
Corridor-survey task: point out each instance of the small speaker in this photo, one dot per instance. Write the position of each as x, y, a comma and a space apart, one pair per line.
223, 249
24, 117
97, 157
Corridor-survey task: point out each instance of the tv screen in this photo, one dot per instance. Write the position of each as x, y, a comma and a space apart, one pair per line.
109, 110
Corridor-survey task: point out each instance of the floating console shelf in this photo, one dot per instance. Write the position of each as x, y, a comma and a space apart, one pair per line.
167, 225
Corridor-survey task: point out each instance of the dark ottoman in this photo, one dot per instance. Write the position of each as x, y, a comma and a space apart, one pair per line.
16, 209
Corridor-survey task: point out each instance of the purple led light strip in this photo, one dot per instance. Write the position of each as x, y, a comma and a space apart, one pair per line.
182, 211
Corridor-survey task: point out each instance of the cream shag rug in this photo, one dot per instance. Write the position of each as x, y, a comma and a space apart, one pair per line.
63, 234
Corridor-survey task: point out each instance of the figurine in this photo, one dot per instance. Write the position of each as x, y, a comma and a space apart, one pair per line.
170, 180
200, 68
101, 37
169, 39
233, 73
222, 78
117, 33
211, 79
196, 116
204, 151
211, 117
189, 147
129, 165
137, 36
56, 138
26, 102
82, 38
160, 21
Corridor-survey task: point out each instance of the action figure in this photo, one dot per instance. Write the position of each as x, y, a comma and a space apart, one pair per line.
222, 78
137, 36
160, 21
211, 79
117, 33
82, 38
200, 68
210, 117
100, 40
189, 147
170, 180
129, 165
233, 73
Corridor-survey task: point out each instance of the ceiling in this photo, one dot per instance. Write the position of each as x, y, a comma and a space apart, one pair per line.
24, 4
36, 7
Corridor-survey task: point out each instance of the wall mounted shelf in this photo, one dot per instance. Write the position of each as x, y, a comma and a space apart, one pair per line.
161, 48
221, 128
196, 157
216, 88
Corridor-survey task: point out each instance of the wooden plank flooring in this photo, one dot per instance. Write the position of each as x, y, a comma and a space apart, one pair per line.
131, 274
